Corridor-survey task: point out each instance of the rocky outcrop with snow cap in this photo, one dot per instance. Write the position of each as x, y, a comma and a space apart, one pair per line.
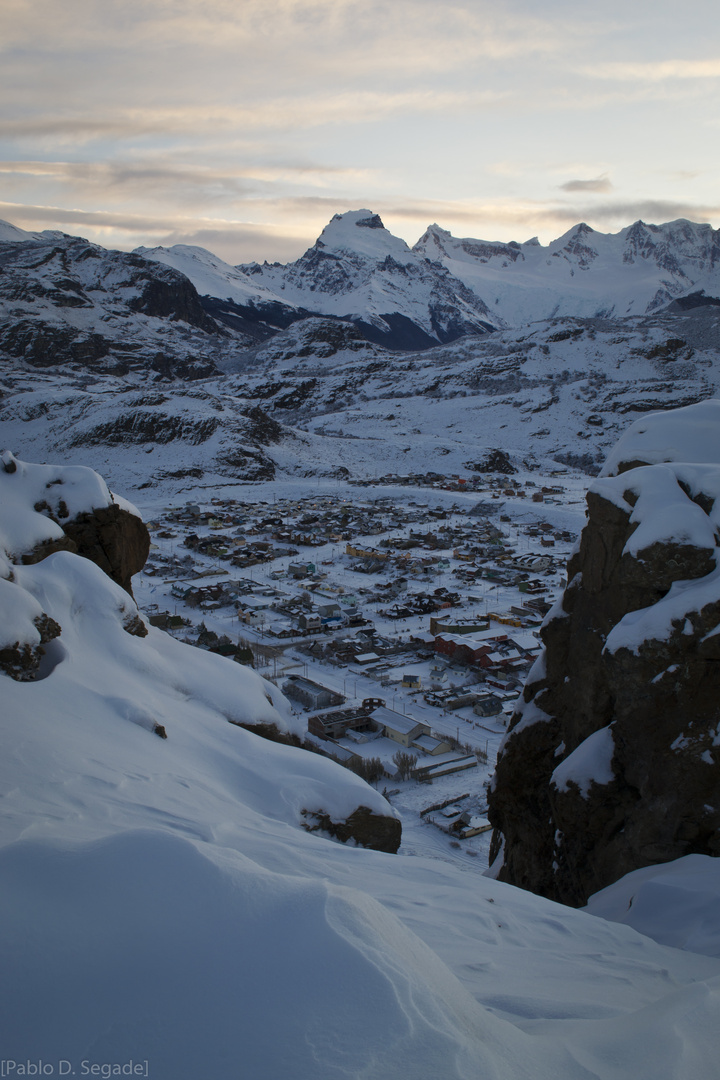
612, 761
69, 508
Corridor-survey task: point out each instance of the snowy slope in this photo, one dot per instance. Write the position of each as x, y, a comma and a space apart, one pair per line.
584, 272
162, 906
11, 234
209, 274
676, 903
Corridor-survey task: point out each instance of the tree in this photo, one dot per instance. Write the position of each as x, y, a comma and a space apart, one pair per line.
405, 763
370, 769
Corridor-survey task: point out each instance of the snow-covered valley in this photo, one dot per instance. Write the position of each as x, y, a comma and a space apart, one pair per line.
164, 907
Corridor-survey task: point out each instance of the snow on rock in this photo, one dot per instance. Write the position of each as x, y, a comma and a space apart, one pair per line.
64, 301
31, 493
12, 234
631, 681
20, 614
210, 275
362, 232
590, 763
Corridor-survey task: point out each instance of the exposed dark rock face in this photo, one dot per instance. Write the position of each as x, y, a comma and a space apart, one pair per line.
496, 461
110, 536
114, 539
137, 426
123, 295
365, 827
612, 761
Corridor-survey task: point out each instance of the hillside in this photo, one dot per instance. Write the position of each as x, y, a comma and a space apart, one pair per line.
252, 372
318, 399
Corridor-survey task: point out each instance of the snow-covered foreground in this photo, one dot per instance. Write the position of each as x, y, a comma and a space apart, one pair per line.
162, 905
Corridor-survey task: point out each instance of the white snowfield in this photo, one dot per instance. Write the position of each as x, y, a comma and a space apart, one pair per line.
161, 903
675, 903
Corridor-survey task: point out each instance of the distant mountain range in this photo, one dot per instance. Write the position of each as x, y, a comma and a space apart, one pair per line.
399, 297
362, 357
444, 288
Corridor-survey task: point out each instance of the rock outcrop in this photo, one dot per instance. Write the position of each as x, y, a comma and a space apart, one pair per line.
612, 761
21, 659
364, 826
113, 538
71, 509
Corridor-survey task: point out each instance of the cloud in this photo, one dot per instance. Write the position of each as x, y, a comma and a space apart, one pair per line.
456, 31
601, 184
280, 114
654, 70
235, 241
171, 181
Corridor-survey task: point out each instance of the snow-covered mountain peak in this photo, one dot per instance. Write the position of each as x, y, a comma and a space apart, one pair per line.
358, 270
432, 243
439, 244
361, 232
680, 246
11, 234
584, 272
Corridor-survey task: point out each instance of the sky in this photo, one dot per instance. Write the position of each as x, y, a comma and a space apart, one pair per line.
244, 125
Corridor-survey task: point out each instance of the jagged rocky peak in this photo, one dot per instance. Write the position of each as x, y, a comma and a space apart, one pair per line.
433, 237
612, 761
439, 244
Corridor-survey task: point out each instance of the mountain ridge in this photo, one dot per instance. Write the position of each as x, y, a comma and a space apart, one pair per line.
448, 287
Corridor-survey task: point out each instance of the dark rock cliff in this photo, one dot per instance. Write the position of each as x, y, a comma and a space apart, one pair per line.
612, 761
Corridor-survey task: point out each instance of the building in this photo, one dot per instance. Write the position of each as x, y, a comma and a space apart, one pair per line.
403, 730
336, 723
311, 694
487, 705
